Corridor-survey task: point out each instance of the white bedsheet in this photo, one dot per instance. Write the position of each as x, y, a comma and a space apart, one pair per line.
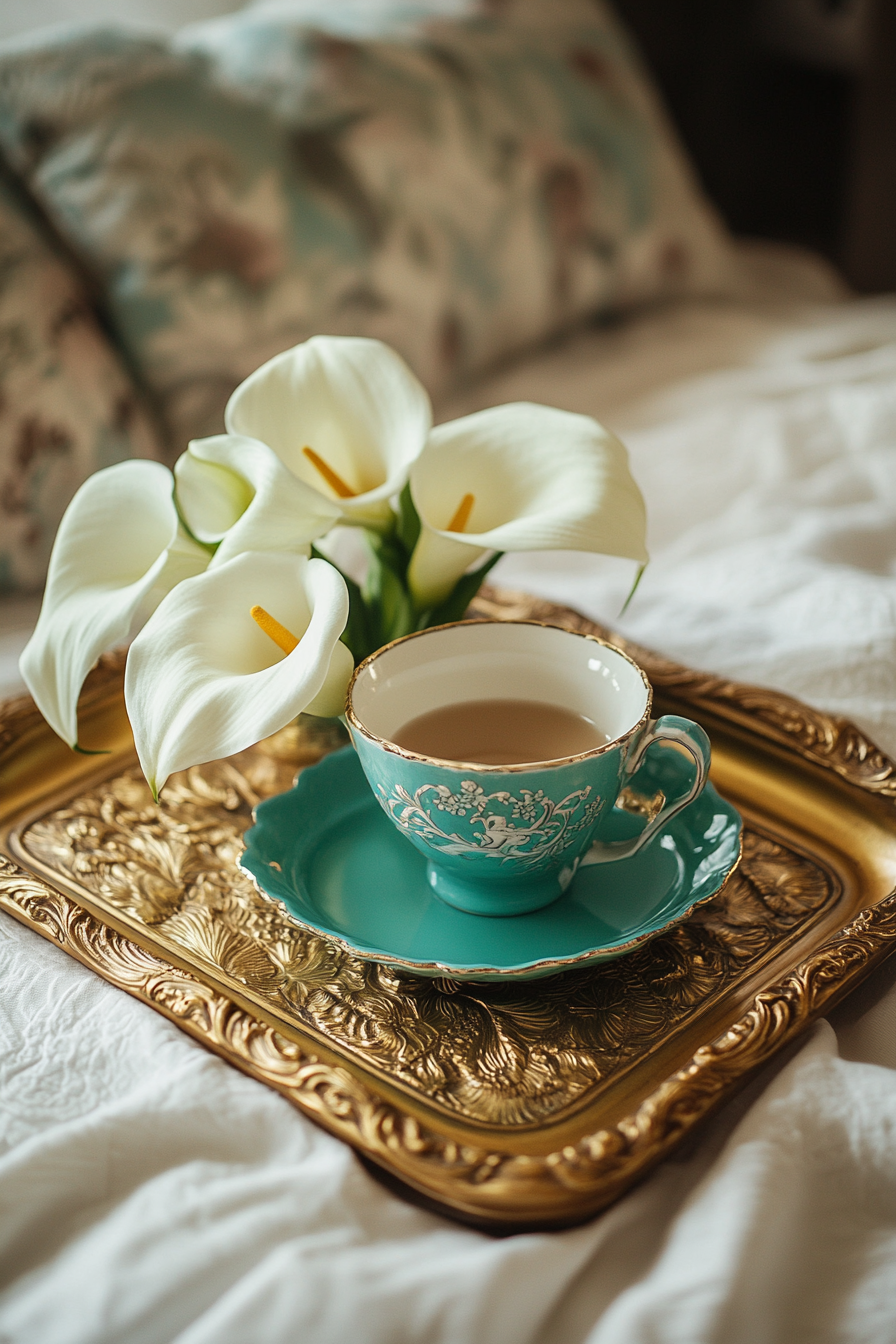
149, 1193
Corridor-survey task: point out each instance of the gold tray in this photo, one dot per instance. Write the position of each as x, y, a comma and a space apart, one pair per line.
510, 1106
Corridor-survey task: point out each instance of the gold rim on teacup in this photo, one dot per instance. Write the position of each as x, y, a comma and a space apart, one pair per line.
388, 745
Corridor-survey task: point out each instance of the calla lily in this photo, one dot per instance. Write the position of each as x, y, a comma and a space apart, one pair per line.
118, 551
235, 493
344, 414
519, 478
204, 680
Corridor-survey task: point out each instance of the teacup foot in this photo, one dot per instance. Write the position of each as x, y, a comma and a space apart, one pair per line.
493, 898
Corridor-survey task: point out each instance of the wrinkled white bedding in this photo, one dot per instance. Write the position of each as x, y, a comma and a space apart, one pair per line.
149, 1193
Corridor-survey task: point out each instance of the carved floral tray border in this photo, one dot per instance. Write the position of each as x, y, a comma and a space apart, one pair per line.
497, 1189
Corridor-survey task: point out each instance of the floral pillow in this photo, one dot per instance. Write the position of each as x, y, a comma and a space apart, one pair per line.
458, 187
67, 406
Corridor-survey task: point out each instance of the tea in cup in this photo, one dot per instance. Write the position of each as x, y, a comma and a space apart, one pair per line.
500, 750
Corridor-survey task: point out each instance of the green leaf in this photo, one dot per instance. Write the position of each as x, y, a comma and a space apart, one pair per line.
634, 588
388, 602
373, 579
396, 612
387, 552
408, 520
454, 606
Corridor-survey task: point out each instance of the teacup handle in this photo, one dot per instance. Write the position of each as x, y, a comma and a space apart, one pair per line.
668, 728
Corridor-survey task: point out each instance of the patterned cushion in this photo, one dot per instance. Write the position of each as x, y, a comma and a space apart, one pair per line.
67, 406
457, 187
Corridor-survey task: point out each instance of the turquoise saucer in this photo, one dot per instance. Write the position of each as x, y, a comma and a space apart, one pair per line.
331, 856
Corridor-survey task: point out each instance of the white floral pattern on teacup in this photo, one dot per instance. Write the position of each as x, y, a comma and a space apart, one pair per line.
547, 826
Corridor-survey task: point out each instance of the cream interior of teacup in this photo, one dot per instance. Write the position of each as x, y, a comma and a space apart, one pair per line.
499, 660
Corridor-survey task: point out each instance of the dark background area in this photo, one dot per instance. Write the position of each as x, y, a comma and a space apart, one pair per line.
789, 113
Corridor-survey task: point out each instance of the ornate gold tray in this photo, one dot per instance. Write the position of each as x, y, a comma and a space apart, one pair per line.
511, 1106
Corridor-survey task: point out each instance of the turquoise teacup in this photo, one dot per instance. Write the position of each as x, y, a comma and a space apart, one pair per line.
506, 839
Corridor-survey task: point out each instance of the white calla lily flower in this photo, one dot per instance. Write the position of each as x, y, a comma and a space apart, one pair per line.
344, 414
519, 478
235, 493
204, 680
118, 551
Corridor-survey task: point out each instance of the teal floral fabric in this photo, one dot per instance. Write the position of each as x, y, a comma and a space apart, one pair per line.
458, 187
67, 405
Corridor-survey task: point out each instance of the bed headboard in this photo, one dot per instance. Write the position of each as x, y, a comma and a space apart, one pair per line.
788, 108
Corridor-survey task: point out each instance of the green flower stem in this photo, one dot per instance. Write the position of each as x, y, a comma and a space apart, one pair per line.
382, 609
